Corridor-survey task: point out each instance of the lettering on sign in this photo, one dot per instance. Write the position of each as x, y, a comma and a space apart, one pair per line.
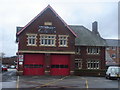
47, 29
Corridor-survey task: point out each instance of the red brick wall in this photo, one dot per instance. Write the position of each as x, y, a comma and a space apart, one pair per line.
34, 27
84, 56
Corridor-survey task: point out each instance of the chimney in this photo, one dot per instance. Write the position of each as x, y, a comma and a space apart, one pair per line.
95, 27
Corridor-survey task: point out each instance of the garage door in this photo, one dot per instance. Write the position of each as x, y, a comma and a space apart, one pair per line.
60, 65
33, 64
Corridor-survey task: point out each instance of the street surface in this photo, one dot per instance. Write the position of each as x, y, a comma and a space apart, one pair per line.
9, 75
10, 80
66, 82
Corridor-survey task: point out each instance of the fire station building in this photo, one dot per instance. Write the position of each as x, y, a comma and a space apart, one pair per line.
48, 46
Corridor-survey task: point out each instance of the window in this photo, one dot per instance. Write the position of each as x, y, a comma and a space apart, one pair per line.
63, 40
93, 64
78, 50
47, 40
33, 66
59, 66
107, 48
113, 48
31, 39
78, 63
94, 50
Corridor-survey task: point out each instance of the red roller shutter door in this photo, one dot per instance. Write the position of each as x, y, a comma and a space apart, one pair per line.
60, 65
33, 64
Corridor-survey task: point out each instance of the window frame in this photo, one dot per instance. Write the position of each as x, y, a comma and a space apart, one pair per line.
79, 62
77, 50
92, 63
113, 48
93, 50
64, 39
32, 37
47, 40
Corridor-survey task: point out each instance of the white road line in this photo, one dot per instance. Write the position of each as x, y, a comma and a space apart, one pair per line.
17, 85
86, 83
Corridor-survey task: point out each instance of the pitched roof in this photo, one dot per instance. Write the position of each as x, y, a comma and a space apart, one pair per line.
86, 37
40, 15
113, 42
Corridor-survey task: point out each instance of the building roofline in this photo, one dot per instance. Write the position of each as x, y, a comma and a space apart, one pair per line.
40, 15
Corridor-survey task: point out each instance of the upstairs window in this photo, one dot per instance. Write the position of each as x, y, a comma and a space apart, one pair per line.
63, 41
47, 40
93, 50
31, 39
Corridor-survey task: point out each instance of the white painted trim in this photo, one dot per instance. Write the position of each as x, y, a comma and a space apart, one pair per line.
63, 39
52, 52
47, 35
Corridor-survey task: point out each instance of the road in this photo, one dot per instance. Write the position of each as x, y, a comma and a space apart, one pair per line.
9, 75
67, 82
10, 80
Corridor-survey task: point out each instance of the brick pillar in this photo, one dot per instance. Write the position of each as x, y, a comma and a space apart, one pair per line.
20, 63
72, 64
47, 64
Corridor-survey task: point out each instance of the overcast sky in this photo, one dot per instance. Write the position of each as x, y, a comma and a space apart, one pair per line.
74, 12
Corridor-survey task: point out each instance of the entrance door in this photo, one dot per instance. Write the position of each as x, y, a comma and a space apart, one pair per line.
33, 64
60, 65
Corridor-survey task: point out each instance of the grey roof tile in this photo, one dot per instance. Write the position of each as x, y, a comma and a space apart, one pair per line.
86, 37
113, 42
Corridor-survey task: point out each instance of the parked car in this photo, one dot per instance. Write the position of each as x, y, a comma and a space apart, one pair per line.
4, 68
12, 67
113, 72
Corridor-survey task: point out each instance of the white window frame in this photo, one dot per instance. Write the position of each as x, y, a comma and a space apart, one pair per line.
93, 50
64, 40
47, 40
77, 50
91, 63
33, 38
107, 48
113, 48
79, 62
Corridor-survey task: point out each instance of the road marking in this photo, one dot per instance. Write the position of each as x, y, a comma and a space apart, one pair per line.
86, 83
52, 82
17, 86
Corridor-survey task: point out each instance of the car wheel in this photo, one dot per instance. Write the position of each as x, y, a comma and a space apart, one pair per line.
109, 77
106, 76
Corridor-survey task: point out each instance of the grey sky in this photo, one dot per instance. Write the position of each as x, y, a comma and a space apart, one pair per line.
73, 12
